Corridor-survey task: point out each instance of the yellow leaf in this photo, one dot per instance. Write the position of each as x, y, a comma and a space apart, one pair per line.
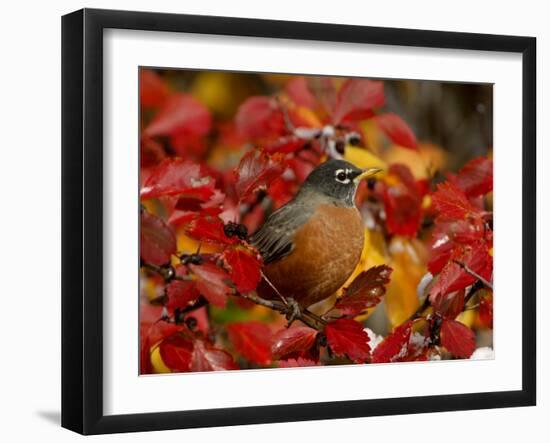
362, 158
408, 260
426, 202
468, 317
423, 163
158, 364
373, 135
222, 92
308, 116
188, 245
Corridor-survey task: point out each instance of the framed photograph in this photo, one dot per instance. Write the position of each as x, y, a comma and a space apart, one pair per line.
269, 221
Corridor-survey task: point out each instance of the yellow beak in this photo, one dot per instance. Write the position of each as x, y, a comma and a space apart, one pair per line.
367, 173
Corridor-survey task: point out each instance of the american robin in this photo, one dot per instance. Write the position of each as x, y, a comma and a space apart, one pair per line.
311, 245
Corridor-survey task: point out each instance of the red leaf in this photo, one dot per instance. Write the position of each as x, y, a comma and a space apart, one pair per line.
458, 338
153, 91
447, 234
176, 176
347, 337
257, 170
245, 269
188, 204
254, 218
324, 92
285, 145
485, 310
180, 113
151, 152
260, 117
208, 229
176, 351
402, 202
357, 98
292, 340
394, 346
281, 192
299, 92
476, 178
404, 174
206, 358
252, 340
441, 250
181, 217
151, 331
365, 291
453, 277
181, 294
302, 167
452, 203
448, 305
145, 365
188, 145
152, 326
396, 129
157, 240
299, 362
463, 231
212, 283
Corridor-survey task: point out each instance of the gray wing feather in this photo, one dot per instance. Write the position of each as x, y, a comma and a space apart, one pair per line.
274, 238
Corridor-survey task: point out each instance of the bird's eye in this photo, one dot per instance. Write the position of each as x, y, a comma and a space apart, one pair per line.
341, 176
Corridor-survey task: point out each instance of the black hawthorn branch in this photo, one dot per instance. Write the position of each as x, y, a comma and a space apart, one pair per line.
418, 313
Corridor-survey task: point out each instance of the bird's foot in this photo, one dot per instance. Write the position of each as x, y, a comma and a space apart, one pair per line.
293, 311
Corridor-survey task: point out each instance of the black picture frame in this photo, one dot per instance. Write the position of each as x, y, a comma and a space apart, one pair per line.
82, 220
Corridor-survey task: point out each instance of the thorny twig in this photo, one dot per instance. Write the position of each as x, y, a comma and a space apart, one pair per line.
474, 274
167, 273
305, 316
282, 306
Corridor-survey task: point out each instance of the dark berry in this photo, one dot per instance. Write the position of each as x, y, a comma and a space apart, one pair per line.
229, 229
168, 272
242, 232
236, 229
194, 259
191, 322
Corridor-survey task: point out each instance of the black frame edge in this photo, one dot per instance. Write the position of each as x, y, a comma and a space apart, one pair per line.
72, 74
529, 221
309, 411
82, 191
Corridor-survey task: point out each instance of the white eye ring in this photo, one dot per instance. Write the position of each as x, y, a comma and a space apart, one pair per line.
344, 181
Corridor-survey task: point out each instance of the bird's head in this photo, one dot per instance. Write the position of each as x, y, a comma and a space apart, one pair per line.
337, 179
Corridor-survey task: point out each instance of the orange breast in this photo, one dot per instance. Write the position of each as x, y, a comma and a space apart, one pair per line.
326, 251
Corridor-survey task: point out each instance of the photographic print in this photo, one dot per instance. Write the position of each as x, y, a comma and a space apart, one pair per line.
296, 220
